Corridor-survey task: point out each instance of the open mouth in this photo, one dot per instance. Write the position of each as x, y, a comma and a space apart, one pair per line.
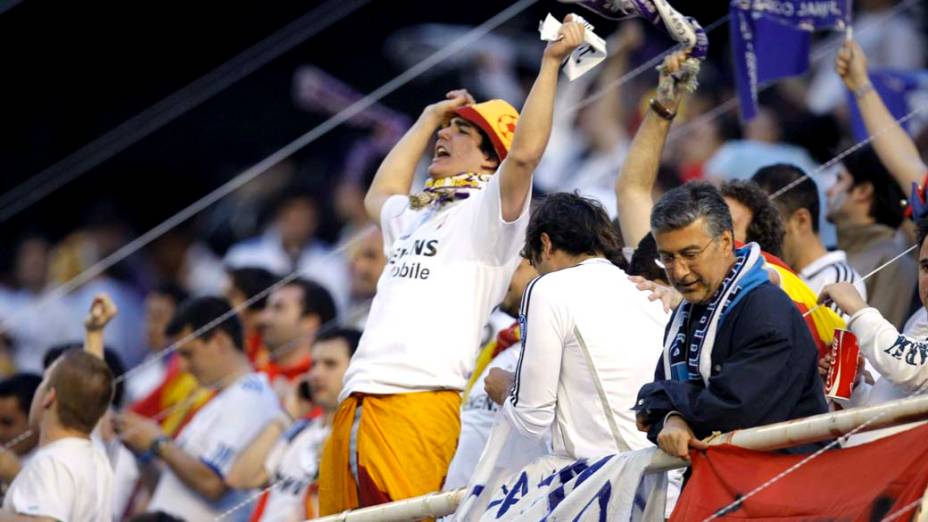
441, 152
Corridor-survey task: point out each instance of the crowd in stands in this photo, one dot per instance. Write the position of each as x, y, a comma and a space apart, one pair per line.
284, 377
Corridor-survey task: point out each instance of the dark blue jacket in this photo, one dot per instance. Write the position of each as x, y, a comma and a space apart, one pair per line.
764, 370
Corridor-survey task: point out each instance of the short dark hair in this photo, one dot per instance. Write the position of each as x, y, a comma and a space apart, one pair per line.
486, 146
803, 194
576, 225
110, 357
766, 226
22, 386
173, 291
865, 167
644, 260
679, 207
199, 312
316, 300
252, 281
83, 386
351, 336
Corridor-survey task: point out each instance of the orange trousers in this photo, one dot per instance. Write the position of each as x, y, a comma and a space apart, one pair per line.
388, 447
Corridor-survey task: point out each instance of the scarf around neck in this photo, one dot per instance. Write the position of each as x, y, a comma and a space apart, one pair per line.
446, 190
691, 359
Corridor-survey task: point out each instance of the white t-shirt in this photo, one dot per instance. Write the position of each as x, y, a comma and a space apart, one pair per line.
292, 466
478, 415
216, 435
446, 269
68, 480
555, 386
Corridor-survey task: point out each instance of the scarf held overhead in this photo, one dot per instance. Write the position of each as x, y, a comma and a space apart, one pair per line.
693, 361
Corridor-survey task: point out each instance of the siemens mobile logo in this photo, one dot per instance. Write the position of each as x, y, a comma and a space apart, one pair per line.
409, 269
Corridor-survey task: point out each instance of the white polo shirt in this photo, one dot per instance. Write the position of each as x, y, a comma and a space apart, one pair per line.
216, 435
554, 384
69, 480
446, 269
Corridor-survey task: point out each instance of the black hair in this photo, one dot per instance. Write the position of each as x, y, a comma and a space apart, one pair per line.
351, 336
23, 387
865, 167
679, 207
252, 281
644, 260
199, 312
173, 291
575, 225
316, 300
110, 357
766, 227
486, 145
803, 194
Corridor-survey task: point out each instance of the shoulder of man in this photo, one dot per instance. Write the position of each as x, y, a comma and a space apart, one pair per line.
767, 308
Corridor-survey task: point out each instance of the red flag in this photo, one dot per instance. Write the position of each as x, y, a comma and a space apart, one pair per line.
862, 483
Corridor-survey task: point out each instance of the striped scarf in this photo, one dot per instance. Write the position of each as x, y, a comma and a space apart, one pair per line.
446, 190
692, 362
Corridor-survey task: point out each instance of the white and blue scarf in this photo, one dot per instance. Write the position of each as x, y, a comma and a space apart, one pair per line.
692, 362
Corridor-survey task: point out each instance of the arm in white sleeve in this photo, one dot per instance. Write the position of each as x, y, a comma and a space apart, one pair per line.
901, 359
530, 408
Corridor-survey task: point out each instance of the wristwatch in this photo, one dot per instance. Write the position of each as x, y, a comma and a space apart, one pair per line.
155, 448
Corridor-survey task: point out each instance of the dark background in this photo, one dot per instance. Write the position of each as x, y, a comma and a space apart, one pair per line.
74, 70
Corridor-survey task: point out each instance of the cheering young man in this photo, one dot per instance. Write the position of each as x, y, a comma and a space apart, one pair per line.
452, 250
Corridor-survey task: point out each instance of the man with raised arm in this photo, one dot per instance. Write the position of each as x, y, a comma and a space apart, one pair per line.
892, 144
452, 249
68, 478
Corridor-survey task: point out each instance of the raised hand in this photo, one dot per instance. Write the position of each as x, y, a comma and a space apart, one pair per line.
102, 310
851, 66
570, 36
443, 111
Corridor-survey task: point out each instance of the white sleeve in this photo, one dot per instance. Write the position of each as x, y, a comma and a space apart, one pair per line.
530, 408
496, 241
42, 489
901, 359
390, 222
238, 428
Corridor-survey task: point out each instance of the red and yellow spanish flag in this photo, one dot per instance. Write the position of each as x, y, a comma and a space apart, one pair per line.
823, 320
174, 402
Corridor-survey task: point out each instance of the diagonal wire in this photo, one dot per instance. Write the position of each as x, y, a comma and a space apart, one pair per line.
284, 281
278, 156
172, 107
872, 272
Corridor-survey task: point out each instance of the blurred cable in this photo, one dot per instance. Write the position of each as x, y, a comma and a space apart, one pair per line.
174, 106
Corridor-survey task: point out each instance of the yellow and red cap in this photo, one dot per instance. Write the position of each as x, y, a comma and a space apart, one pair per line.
497, 118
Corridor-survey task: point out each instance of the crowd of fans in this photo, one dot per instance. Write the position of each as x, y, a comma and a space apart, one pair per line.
263, 332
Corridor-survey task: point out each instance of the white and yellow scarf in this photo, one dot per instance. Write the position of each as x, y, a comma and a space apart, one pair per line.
445, 190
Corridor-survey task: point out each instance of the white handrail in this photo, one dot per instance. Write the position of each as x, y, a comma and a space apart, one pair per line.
762, 438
